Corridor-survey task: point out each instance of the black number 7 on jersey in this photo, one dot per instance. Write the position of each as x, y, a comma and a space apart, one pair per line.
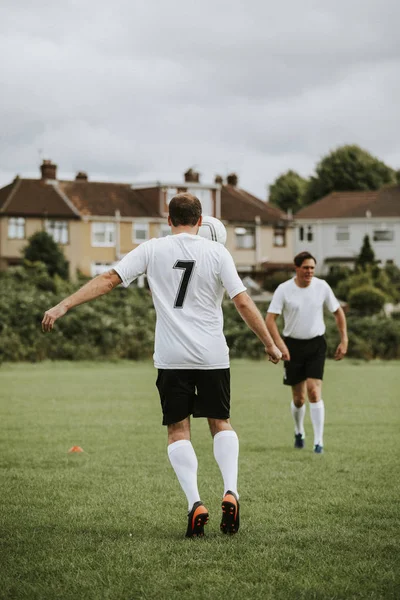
187, 267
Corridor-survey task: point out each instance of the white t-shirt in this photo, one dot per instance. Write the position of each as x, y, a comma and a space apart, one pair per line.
303, 308
187, 275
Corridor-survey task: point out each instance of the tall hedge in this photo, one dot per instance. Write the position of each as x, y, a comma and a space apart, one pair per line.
121, 325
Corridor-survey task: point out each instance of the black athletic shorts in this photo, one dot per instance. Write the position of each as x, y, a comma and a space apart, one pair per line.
201, 393
307, 359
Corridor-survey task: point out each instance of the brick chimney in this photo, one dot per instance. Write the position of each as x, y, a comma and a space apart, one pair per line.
232, 179
81, 176
191, 176
218, 179
48, 169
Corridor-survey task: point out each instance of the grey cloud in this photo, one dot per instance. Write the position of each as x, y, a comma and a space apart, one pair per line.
145, 89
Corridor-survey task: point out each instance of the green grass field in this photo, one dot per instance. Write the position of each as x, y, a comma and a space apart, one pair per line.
109, 523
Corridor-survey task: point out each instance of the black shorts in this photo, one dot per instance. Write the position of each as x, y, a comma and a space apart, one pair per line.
201, 393
307, 359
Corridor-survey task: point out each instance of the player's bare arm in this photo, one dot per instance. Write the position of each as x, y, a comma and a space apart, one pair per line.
340, 319
274, 331
253, 319
100, 285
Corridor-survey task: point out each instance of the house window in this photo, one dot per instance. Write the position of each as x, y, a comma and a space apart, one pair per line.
342, 233
97, 268
165, 230
301, 234
245, 237
280, 236
140, 232
383, 235
16, 228
310, 234
205, 197
58, 231
103, 234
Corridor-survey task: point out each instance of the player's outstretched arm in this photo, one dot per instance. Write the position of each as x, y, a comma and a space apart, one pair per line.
253, 319
340, 319
100, 285
272, 327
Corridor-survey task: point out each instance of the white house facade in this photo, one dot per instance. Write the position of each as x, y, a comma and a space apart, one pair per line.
333, 228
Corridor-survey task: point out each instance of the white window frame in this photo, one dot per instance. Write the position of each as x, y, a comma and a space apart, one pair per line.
16, 228
206, 199
309, 234
108, 229
245, 238
143, 228
56, 229
342, 234
164, 230
98, 268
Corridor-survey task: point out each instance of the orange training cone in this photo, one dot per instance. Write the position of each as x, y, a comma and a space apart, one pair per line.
75, 449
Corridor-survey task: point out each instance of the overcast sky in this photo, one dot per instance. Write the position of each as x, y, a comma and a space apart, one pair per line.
141, 90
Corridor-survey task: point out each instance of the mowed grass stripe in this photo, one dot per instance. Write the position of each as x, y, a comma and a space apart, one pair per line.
109, 523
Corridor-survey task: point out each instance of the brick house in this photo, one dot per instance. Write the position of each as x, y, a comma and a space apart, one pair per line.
96, 223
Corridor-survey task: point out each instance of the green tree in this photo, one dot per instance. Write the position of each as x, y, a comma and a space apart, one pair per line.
42, 248
345, 169
287, 191
367, 254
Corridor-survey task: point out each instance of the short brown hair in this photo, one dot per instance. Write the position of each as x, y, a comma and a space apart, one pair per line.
184, 209
301, 257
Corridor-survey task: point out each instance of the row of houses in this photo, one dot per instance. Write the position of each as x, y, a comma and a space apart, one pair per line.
96, 223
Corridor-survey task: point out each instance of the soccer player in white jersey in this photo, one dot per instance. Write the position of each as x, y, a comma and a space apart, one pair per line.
301, 301
187, 275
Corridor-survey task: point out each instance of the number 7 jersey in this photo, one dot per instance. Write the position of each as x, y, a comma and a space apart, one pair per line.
187, 275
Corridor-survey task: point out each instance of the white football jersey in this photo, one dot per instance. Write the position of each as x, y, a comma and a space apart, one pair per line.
303, 308
187, 275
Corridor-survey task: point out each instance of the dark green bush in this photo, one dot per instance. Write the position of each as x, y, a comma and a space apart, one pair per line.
121, 325
336, 275
272, 281
369, 337
366, 300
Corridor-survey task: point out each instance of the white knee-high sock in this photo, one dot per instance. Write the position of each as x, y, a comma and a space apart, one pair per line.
298, 417
184, 462
226, 453
317, 412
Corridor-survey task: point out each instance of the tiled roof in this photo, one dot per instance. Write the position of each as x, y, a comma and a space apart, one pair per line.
34, 198
103, 199
342, 205
238, 205
5, 193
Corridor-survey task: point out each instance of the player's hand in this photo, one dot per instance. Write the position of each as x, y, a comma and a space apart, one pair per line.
284, 349
50, 316
341, 351
274, 354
